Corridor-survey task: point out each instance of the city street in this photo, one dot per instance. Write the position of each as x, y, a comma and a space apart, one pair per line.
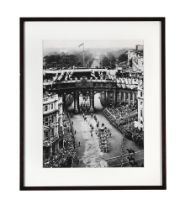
93, 107
88, 151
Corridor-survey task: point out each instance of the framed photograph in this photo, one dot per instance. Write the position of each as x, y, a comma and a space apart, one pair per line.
92, 103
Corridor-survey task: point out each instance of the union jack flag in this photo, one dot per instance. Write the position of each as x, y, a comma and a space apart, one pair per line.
80, 44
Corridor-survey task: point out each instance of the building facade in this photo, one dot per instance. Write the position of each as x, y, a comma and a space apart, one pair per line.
140, 98
135, 58
51, 113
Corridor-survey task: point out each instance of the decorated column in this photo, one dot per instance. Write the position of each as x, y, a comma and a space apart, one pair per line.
129, 98
50, 151
92, 101
124, 96
64, 101
133, 97
76, 102
115, 97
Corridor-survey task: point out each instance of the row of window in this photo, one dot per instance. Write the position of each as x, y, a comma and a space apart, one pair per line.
131, 96
140, 94
50, 133
48, 107
49, 119
141, 113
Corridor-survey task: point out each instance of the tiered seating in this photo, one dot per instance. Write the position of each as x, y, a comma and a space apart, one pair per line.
135, 135
121, 116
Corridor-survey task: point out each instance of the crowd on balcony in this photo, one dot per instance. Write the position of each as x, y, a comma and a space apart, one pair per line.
71, 75
78, 75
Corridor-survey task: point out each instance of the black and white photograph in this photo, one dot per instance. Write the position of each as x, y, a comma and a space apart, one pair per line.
93, 103
93, 99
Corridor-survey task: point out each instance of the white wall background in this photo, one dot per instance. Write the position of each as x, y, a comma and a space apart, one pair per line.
11, 197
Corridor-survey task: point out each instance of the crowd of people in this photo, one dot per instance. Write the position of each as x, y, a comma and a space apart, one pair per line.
103, 133
135, 135
84, 107
69, 75
122, 118
122, 111
122, 115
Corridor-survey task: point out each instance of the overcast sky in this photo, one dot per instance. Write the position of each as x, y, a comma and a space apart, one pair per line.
58, 44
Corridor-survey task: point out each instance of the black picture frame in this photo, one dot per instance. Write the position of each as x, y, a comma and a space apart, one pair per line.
23, 20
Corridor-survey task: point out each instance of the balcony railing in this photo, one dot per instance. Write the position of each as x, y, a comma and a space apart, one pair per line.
49, 99
49, 111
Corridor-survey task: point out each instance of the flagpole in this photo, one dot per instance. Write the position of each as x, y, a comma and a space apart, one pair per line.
83, 59
83, 55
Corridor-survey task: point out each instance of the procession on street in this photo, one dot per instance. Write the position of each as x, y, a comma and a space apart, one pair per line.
93, 106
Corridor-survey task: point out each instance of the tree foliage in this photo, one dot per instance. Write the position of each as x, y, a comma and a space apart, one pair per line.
108, 61
64, 60
123, 57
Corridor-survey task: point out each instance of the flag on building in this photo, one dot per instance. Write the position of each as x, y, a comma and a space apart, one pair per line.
92, 73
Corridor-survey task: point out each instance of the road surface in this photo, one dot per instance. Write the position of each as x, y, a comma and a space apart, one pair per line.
89, 152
